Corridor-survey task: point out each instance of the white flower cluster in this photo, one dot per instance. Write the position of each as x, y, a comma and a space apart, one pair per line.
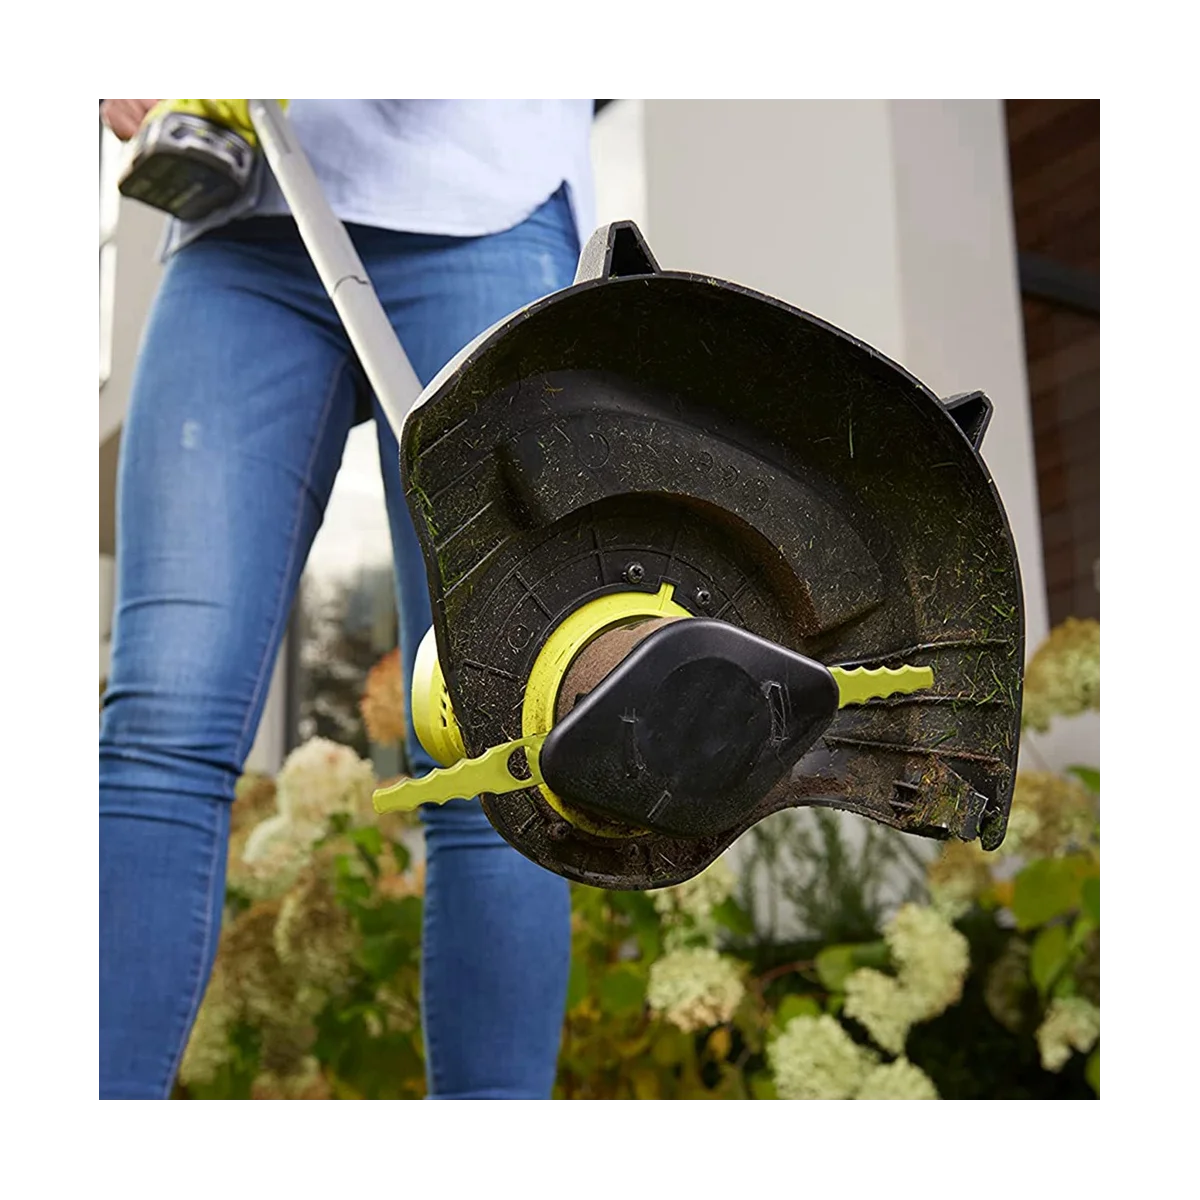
318, 781
694, 988
814, 1058
1022, 828
956, 877
687, 908
1071, 1023
1051, 815
208, 1048
314, 936
304, 1081
274, 855
931, 957
880, 1004
697, 897
1063, 677
899, 1080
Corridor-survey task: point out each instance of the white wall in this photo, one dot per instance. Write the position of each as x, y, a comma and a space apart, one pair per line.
619, 163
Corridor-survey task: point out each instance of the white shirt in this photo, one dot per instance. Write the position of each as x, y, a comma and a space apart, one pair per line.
459, 167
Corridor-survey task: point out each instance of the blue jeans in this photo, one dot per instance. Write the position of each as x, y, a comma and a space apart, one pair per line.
245, 391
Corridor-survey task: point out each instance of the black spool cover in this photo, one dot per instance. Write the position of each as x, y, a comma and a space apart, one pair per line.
689, 732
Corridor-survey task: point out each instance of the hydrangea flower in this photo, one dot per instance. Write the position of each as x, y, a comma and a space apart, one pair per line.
209, 1048
1063, 677
882, 1006
958, 875
697, 897
264, 989
899, 1080
814, 1058
314, 936
931, 956
694, 988
322, 779
1051, 815
1007, 983
248, 984
274, 854
304, 1081
687, 908
1071, 1023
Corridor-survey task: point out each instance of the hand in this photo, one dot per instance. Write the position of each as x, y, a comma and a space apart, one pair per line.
124, 117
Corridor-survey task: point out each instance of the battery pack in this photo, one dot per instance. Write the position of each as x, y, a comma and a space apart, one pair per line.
187, 166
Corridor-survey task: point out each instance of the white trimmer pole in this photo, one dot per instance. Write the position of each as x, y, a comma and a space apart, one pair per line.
342, 273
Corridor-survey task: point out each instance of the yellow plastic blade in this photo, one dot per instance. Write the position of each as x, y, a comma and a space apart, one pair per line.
465, 779
865, 683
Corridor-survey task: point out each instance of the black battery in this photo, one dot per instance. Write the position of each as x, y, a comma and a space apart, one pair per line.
187, 166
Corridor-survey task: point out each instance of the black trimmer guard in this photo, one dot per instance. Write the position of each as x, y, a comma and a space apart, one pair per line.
645, 427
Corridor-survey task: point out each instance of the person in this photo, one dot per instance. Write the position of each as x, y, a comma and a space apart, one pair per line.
245, 390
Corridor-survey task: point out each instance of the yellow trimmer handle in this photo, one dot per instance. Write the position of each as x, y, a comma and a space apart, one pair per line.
232, 114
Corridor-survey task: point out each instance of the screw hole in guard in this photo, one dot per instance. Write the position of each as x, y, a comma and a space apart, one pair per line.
518, 764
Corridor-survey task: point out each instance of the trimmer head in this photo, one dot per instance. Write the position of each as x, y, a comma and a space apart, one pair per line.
647, 445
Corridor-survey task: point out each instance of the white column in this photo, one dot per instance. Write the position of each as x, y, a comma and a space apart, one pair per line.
107, 572
270, 743
139, 230
961, 299
890, 219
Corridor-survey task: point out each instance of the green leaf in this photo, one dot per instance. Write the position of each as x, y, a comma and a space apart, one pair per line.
621, 992
645, 1084
1049, 888
1081, 930
1064, 987
1088, 776
369, 861
1092, 1071
835, 963
382, 954
730, 915
762, 1087
378, 1068
792, 1006
402, 917
637, 906
368, 838
649, 942
1091, 899
670, 1046
720, 1041
1051, 949
577, 983
351, 888
352, 1012
587, 901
